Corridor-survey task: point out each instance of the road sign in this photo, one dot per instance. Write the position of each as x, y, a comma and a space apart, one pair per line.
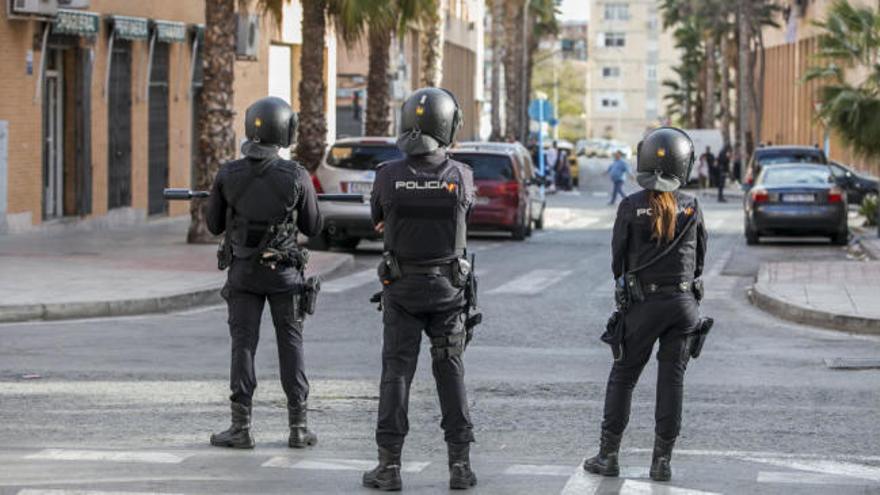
540, 110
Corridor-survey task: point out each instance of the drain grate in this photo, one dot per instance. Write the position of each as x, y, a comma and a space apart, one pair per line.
852, 363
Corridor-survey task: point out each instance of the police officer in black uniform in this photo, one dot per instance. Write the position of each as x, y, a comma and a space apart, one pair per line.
261, 201
658, 247
421, 203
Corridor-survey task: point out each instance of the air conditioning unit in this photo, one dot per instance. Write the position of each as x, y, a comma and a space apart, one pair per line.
43, 8
248, 39
74, 4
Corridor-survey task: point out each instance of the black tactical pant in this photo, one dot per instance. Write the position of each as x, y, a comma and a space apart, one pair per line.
669, 318
245, 312
414, 304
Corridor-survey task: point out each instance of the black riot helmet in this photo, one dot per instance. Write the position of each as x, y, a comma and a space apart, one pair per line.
429, 119
269, 124
665, 159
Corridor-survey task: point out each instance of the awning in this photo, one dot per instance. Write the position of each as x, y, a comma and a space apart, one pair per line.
170, 31
76, 23
130, 28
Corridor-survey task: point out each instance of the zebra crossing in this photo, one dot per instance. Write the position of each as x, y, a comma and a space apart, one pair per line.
789, 471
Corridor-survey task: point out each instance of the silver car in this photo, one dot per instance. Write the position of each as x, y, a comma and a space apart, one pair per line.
349, 166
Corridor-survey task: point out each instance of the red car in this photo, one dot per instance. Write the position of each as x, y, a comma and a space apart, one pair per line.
502, 201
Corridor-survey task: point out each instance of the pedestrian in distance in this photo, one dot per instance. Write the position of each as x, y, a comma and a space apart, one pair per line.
551, 161
421, 204
617, 172
658, 249
710, 163
723, 168
260, 203
703, 173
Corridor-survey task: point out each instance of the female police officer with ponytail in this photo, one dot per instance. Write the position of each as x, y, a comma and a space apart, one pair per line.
658, 247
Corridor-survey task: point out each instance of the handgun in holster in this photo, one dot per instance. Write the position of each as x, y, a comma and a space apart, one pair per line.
224, 253
634, 292
474, 317
309, 296
389, 269
698, 338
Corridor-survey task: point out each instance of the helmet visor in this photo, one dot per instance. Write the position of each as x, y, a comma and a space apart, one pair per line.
658, 182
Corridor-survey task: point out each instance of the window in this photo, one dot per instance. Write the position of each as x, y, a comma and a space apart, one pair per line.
615, 39
616, 11
610, 102
651, 72
609, 72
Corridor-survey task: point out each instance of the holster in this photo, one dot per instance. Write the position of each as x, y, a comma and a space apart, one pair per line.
613, 335
698, 338
389, 269
633, 288
699, 289
224, 253
461, 272
309, 296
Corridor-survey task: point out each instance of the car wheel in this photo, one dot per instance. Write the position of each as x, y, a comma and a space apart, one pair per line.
320, 242
349, 243
519, 232
840, 238
752, 237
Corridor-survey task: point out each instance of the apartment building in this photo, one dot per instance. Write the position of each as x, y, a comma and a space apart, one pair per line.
99, 100
629, 57
462, 70
790, 112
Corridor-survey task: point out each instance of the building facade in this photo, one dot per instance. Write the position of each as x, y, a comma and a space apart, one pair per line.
629, 57
790, 113
98, 106
462, 71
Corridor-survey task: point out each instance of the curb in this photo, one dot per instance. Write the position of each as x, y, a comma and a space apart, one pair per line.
765, 300
130, 307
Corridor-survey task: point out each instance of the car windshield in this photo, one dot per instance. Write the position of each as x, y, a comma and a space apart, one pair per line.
362, 157
813, 176
488, 167
789, 156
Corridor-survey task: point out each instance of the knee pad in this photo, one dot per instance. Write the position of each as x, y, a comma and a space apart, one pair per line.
447, 346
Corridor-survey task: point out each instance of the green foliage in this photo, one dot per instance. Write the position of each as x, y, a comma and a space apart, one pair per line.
353, 17
571, 89
849, 47
868, 209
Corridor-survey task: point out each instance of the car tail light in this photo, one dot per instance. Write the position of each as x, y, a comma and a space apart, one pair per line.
760, 196
750, 179
835, 195
317, 183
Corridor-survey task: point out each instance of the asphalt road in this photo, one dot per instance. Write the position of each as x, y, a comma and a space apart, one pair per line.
126, 405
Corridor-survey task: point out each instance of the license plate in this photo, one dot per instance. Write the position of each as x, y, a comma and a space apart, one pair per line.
360, 187
482, 200
798, 198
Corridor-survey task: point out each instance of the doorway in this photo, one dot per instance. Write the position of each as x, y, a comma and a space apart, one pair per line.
119, 131
158, 126
53, 135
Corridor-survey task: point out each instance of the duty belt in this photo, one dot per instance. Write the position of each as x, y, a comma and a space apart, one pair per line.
444, 270
681, 287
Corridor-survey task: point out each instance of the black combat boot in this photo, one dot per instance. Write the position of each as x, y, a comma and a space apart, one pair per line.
605, 462
660, 468
238, 436
461, 477
300, 436
386, 476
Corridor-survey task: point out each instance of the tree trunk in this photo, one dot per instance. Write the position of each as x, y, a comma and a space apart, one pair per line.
432, 41
743, 92
312, 132
378, 85
497, 58
512, 67
531, 48
759, 89
724, 63
215, 128
711, 73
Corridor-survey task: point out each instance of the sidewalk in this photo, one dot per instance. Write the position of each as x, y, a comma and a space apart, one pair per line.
146, 269
841, 295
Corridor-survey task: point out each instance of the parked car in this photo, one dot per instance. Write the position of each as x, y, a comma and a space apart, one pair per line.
503, 201
856, 185
529, 170
349, 166
781, 154
796, 199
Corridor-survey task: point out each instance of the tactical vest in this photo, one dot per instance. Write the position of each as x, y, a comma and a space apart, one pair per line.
427, 217
678, 265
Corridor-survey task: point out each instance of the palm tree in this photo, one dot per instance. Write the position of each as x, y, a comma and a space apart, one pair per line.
849, 47
215, 129
497, 11
432, 41
312, 131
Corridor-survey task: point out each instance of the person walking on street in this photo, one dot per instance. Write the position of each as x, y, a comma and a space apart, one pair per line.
658, 250
617, 172
261, 202
421, 204
551, 161
723, 169
710, 163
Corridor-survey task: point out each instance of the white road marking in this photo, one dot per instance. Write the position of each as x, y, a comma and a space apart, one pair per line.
532, 282
108, 456
631, 487
337, 464
715, 224
349, 282
804, 478
39, 491
826, 467
581, 483
752, 455
538, 470
601, 194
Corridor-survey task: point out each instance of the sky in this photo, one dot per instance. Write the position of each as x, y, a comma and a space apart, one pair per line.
575, 10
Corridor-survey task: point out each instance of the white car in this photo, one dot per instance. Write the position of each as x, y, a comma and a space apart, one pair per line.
349, 167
